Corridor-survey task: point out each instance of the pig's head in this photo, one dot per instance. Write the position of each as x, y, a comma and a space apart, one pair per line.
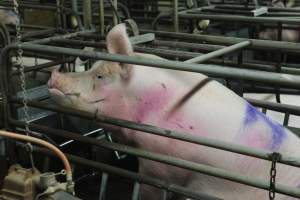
9, 17
104, 83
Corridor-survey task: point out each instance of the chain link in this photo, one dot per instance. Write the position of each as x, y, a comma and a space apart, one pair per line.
19, 59
275, 158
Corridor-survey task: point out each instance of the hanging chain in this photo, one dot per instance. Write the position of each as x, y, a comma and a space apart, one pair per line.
275, 158
19, 59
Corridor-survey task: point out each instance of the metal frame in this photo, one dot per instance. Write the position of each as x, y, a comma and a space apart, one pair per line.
288, 80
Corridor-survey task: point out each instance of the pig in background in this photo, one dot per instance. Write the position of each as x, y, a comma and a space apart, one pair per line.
8, 17
167, 99
287, 35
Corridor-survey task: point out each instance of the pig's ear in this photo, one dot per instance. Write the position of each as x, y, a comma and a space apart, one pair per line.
118, 41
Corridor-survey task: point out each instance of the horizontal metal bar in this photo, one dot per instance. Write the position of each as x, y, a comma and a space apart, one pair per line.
188, 55
227, 72
197, 167
255, 43
53, 38
284, 108
244, 150
239, 18
131, 175
219, 52
44, 65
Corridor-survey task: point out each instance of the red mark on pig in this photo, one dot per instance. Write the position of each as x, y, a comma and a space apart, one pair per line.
153, 100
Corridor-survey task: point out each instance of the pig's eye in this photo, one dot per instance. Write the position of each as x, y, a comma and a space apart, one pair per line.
99, 77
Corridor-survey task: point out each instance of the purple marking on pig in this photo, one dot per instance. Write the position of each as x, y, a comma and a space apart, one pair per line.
278, 132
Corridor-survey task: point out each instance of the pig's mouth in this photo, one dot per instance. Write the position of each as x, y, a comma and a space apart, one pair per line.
58, 93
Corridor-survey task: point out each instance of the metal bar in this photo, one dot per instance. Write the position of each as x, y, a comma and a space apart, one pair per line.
74, 5
186, 15
226, 146
87, 14
132, 176
187, 55
115, 17
219, 52
140, 39
101, 17
227, 72
66, 36
201, 168
102, 195
136, 191
85, 135
175, 16
45, 65
38, 33
291, 109
255, 44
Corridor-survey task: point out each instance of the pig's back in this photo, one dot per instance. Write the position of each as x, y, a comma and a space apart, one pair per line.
215, 112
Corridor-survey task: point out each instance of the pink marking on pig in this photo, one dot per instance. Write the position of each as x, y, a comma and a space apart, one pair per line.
254, 137
152, 100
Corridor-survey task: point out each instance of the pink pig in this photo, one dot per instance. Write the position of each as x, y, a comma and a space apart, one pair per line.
174, 100
287, 35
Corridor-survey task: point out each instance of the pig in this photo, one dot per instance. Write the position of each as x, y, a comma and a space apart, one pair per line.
9, 17
179, 101
292, 35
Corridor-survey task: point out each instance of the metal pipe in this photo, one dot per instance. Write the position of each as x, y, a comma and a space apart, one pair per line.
175, 17
219, 17
212, 171
74, 5
115, 17
255, 44
101, 17
227, 72
158, 183
51, 39
87, 14
44, 65
219, 52
226, 146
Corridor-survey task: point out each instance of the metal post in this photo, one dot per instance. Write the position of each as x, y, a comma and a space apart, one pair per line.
87, 13
101, 17
58, 14
74, 5
176, 19
115, 18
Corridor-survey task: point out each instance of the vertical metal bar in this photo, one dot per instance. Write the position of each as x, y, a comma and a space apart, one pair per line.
115, 18
286, 119
176, 20
136, 191
279, 29
74, 5
165, 195
104, 179
58, 14
101, 17
87, 13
